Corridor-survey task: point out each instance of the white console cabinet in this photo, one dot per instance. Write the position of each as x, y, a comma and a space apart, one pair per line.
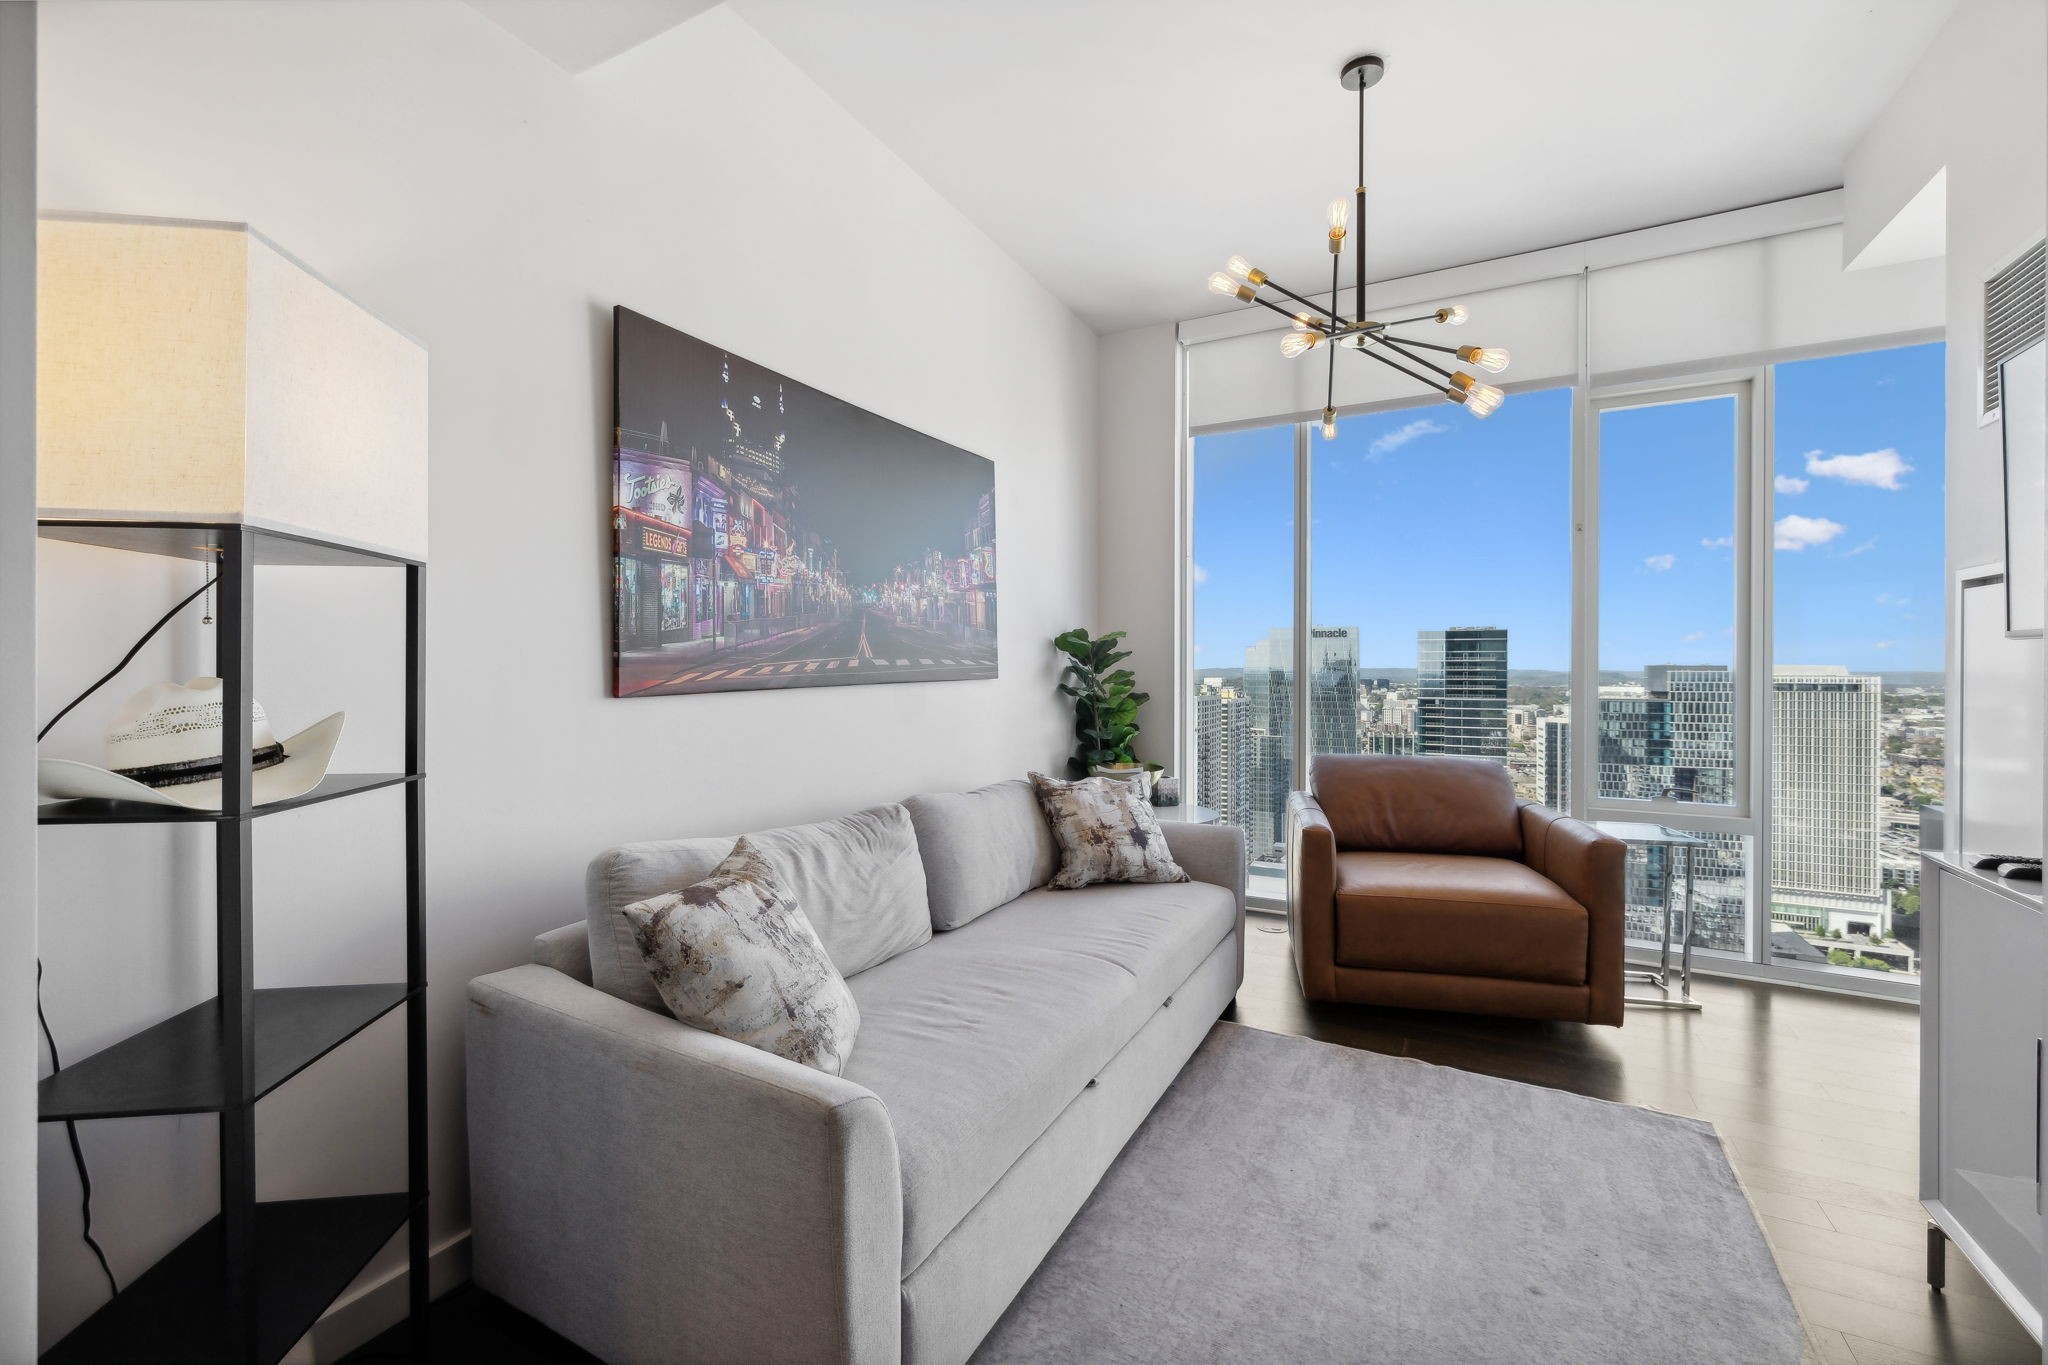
1982, 1001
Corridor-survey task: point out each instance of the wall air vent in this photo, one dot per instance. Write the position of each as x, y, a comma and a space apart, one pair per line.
2014, 303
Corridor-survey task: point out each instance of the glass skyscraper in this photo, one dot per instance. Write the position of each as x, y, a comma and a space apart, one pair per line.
1461, 701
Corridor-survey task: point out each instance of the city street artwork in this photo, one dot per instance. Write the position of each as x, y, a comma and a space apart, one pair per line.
767, 535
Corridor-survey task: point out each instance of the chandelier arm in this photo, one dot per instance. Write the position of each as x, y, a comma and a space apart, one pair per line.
1268, 303
1272, 283
1421, 379
1429, 345
1403, 322
1402, 350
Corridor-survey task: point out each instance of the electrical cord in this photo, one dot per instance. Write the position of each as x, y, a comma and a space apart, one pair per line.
56, 1065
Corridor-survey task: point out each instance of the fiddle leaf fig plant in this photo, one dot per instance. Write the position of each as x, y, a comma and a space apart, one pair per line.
1106, 700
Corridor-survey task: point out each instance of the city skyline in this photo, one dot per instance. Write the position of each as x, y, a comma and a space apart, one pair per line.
1841, 848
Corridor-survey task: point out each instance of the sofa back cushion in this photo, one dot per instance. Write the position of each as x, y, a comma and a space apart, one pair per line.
1437, 804
981, 849
858, 880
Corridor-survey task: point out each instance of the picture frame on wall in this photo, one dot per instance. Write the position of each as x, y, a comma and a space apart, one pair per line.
2023, 391
769, 536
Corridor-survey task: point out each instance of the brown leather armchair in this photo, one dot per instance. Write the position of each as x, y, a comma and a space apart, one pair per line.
1424, 883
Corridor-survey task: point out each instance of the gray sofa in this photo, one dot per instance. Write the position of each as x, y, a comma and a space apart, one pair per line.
657, 1193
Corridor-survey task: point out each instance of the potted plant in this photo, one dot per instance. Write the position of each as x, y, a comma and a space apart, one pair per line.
1106, 702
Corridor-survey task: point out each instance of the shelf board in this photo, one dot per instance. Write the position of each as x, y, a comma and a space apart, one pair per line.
174, 1313
331, 787
201, 540
175, 1067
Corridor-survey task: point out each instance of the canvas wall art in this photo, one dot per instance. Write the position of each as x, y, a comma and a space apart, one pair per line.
767, 535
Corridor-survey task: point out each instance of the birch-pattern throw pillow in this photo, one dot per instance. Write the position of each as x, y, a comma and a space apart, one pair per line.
1106, 832
734, 955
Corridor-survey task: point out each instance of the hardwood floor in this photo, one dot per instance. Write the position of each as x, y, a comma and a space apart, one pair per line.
1816, 1097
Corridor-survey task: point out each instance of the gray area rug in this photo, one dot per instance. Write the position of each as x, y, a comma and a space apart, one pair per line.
1295, 1201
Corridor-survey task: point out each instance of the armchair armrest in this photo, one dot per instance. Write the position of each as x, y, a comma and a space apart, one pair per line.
657, 1193
1591, 867
1312, 895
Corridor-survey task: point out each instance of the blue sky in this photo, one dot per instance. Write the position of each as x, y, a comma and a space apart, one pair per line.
1428, 517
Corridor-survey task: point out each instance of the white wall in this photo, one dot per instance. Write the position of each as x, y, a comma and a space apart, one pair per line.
17, 680
496, 208
1977, 104
1142, 527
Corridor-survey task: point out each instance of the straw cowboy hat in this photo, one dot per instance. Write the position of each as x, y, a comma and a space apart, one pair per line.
164, 748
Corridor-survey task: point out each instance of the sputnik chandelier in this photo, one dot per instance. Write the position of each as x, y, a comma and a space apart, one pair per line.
1317, 326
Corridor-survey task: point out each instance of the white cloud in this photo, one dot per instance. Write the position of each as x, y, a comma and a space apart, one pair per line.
1877, 469
1866, 546
1885, 599
1660, 563
1785, 483
1795, 532
1389, 442
1886, 644
1201, 575
1719, 542
1692, 635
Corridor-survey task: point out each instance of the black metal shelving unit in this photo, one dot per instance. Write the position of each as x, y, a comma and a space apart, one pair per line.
257, 1277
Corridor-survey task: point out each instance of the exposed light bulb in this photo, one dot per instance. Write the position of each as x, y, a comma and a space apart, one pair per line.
1329, 424
1310, 321
1299, 343
1454, 315
1482, 399
1492, 359
1220, 283
1340, 214
1239, 266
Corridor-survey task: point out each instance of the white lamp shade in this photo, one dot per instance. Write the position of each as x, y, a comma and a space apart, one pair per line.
195, 371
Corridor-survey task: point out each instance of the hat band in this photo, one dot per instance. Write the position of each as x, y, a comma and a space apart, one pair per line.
200, 770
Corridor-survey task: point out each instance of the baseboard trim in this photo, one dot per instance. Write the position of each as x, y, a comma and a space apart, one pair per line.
370, 1310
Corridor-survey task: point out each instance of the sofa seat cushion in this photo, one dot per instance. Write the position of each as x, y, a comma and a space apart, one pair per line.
1459, 915
978, 1040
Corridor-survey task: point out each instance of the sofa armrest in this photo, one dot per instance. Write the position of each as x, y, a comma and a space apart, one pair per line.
654, 1192
1213, 854
1312, 895
1592, 869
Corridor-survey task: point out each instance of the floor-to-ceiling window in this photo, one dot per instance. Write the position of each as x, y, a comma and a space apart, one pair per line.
1243, 647
1857, 711
1668, 746
1441, 576
1758, 627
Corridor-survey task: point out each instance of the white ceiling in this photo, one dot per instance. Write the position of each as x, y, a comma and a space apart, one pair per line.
579, 34
1121, 149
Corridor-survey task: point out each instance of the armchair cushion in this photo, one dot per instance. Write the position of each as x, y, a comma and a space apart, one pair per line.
1438, 804
1458, 915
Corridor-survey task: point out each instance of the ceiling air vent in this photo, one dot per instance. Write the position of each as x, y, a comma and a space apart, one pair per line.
2014, 300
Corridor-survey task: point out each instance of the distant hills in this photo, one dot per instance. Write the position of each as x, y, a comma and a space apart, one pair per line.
1552, 677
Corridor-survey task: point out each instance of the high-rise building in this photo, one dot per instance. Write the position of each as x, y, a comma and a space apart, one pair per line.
1672, 738
1461, 704
1827, 750
1702, 700
1220, 712
1268, 764
1333, 689
1556, 739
